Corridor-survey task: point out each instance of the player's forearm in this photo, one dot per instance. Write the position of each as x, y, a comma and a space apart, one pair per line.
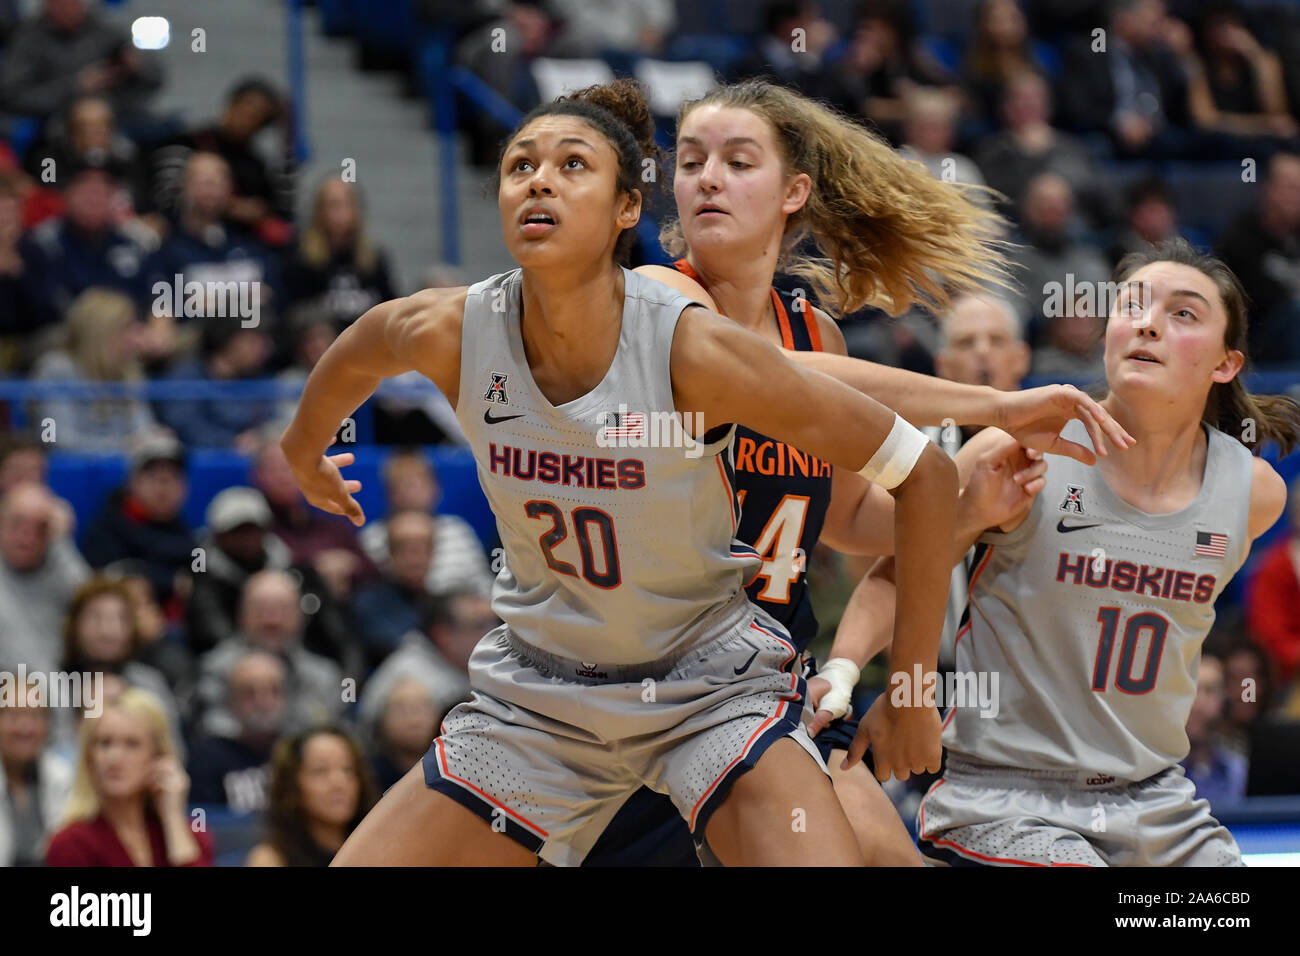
921, 399
924, 522
867, 625
344, 377
969, 526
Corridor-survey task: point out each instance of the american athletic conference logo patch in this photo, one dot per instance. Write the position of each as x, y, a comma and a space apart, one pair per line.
1073, 502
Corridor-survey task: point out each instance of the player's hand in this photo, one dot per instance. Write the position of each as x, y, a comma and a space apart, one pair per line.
1036, 416
1002, 487
903, 740
324, 486
817, 687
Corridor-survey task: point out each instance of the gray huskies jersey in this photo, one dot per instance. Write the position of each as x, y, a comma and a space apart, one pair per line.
617, 526
1091, 615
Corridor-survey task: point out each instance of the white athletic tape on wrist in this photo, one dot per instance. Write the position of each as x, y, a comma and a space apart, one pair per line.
896, 456
842, 674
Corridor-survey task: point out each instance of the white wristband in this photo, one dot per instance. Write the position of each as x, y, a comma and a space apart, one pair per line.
842, 674
897, 454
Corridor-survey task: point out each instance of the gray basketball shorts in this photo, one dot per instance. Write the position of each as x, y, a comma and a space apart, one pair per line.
997, 816
547, 750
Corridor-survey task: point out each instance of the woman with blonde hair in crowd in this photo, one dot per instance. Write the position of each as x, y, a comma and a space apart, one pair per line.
102, 341
128, 801
336, 265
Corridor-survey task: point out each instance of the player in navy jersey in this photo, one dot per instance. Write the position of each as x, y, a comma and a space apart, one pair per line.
1092, 607
744, 186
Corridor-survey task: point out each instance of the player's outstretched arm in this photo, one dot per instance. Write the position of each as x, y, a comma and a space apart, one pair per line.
1034, 416
419, 332
727, 374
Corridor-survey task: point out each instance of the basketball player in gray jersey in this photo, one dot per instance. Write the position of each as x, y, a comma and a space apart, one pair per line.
1091, 610
630, 654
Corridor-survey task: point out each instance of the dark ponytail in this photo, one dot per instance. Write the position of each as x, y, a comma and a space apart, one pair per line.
1230, 407
621, 113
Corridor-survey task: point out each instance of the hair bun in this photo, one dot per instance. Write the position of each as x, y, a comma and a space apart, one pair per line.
625, 99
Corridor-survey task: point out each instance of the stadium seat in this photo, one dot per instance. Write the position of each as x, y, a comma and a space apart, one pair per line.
555, 77
671, 84
718, 50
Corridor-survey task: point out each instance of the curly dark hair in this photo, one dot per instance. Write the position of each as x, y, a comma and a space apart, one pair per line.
286, 818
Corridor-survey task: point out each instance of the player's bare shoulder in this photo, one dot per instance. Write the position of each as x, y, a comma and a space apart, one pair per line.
1268, 494
829, 330
679, 281
425, 328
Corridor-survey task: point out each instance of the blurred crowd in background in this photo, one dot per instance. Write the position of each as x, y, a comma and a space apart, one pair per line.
278, 662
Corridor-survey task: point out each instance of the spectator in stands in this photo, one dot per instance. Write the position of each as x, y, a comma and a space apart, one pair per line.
336, 270
883, 61
407, 724
1236, 87
313, 332
326, 542
459, 563
160, 638
271, 620
1273, 603
1218, 771
34, 780
129, 800
1051, 258
1029, 145
1074, 349
21, 304
67, 50
593, 28
228, 353
498, 44
999, 51
929, 132
388, 608
775, 56
238, 543
1136, 91
1262, 246
85, 248
208, 243
436, 655
101, 344
235, 771
40, 570
1248, 688
99, 636
982, 344
22, 460
1151, 218
86, 134
142, 519
261, 198
320, 789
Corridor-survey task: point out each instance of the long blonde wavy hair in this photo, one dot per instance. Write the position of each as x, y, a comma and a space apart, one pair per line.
890, 234
83, 802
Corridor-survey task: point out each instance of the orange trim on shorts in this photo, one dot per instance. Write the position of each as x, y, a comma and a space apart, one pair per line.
446, 772
971, 853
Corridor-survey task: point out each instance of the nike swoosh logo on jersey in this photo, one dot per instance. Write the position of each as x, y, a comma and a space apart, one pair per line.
744, 667
1062, 527
487, 417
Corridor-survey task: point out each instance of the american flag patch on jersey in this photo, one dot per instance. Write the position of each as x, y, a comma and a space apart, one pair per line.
1211, 544
621, 426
